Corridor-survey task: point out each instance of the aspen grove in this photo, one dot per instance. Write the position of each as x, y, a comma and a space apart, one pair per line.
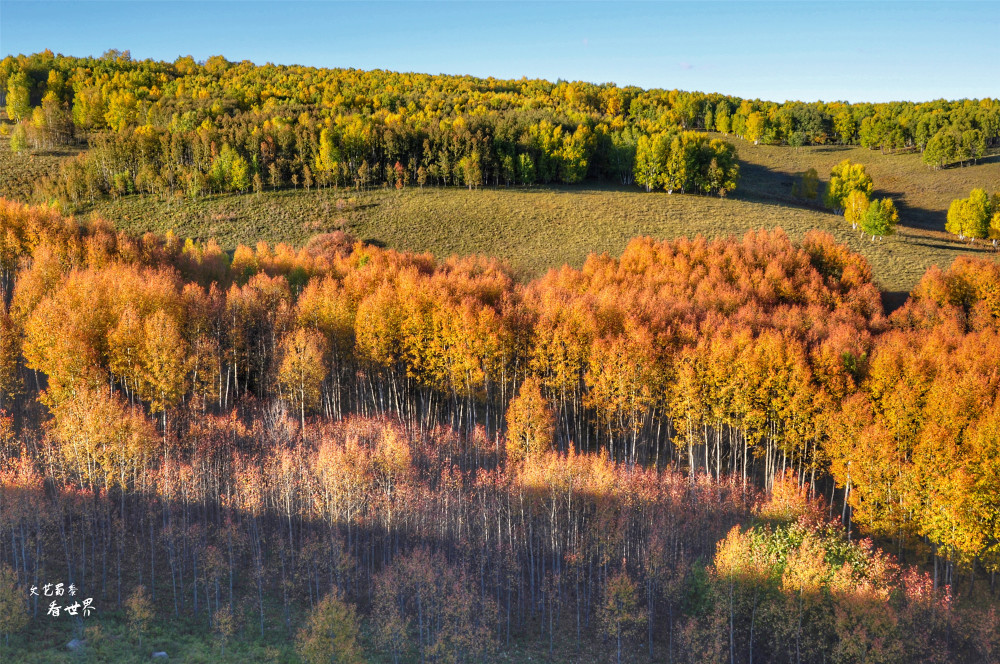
698, 451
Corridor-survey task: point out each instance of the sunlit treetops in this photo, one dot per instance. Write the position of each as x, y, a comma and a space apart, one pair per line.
221, 126
749, 356
756, 334
393, 426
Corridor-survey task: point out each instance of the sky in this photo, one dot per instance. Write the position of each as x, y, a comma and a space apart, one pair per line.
853, 51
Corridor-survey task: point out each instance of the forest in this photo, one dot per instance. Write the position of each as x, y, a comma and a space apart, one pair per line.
709, 448
189, 128
698, 451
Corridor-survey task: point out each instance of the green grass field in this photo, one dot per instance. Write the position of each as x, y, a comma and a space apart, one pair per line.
188, 639
538, 228
922, 194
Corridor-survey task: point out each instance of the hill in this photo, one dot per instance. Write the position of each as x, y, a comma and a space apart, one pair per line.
541, 227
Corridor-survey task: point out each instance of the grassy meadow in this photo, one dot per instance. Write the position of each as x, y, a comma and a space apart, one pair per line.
538, 228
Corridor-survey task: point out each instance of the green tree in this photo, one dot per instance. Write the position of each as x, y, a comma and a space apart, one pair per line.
880, 218
525, 169
972, 144
621, 155
650, 160
13, 612
18, 96
331, 633
941, 149
239, 174
723, 168
328, 159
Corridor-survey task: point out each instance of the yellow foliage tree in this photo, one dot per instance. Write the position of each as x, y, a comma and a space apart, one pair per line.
331, 633
139, 611
303, 369
621, 615
164, 360
530, 423
101, 438
855, 206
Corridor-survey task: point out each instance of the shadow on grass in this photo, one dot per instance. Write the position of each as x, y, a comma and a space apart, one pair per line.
950, 246
985, 159
832, 148
766, 184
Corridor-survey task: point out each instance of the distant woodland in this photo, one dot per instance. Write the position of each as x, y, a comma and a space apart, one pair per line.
222, 126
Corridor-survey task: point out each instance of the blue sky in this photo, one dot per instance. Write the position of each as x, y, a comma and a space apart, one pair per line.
858, 51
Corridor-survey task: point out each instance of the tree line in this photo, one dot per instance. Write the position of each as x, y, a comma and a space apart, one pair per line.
636, 352
224, 126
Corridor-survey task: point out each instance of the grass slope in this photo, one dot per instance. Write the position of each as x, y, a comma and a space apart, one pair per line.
187, 639
537, 228
922, 194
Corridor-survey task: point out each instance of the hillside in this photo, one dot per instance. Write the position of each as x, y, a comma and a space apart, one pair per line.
310, 365
537, 228
596, 456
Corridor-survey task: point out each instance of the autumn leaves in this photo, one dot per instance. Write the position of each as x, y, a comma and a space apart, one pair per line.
917, 444
508, 457
735, 349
